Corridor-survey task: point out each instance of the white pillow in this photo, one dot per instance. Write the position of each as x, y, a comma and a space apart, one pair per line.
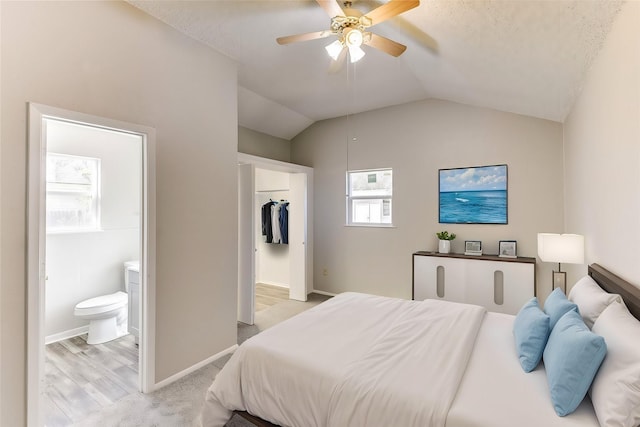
591, 299
615, 391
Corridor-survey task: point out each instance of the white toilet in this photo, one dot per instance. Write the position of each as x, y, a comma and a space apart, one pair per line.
107, 315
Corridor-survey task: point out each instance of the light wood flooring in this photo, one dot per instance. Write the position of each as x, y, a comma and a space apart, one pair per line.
82, 378
268, 295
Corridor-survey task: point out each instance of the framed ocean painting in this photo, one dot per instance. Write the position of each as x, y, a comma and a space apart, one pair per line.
474, 195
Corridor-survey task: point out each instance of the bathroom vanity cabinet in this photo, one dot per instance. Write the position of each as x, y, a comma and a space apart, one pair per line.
133, 277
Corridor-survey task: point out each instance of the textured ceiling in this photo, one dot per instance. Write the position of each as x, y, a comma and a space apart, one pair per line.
526, 57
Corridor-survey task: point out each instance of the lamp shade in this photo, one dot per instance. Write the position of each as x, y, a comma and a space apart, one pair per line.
353, 37
561, 248
334, 49
355, 53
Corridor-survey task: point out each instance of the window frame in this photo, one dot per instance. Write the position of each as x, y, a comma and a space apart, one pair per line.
95, 193
350, 199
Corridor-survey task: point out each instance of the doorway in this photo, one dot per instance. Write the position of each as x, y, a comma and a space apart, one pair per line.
299, 249
65, 174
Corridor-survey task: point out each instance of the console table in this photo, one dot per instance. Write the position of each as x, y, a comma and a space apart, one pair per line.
496, 283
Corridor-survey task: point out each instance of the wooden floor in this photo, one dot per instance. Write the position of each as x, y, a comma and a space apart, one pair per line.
82, 378
268, 295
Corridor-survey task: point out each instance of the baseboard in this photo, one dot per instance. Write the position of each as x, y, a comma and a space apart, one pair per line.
329, 294
49, 339
279, 285
175, 377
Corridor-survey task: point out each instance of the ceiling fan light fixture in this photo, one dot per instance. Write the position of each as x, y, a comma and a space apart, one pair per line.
350, 26
355, 53
353, 38
334, 49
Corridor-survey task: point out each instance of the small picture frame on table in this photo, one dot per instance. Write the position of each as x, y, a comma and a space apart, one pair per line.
473, 247
508, 249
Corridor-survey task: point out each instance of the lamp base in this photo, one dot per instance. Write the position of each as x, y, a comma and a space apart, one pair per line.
560, 281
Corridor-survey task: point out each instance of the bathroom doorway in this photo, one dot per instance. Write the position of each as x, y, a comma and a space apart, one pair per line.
90, 233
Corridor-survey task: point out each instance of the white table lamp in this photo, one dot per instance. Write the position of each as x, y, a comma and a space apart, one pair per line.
567, 248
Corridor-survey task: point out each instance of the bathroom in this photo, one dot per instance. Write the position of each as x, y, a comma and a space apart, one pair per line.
92, 245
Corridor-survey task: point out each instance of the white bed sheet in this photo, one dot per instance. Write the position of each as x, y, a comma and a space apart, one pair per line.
496, 392
394, 358
288, 367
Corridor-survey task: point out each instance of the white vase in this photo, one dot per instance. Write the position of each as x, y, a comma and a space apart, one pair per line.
444, 246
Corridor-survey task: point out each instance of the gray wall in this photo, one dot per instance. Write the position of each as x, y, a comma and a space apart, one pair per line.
263, 145
111, 60
602, 153
416, 140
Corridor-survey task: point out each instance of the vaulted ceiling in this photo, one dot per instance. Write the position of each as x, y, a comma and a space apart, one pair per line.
520, 56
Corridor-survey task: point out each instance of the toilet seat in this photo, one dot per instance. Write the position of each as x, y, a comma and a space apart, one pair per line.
101, 304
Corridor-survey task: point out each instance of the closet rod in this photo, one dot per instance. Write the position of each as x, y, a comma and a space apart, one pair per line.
270, 191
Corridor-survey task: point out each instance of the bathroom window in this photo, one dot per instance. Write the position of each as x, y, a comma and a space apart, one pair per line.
369, 197
73, 193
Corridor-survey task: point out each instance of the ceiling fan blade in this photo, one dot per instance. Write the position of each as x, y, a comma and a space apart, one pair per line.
418, 35
390, 9
336, 65
331, 7
424, 39
386, 45
303, 37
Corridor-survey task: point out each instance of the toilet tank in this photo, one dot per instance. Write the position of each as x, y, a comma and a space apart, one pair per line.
130, 266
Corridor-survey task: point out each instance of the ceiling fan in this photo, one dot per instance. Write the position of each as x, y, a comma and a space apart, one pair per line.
350, 26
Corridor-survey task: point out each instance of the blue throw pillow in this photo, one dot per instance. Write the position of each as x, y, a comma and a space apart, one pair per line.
557, 305
572, 358
531, 331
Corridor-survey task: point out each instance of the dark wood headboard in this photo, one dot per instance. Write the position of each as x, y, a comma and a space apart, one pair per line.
617, 285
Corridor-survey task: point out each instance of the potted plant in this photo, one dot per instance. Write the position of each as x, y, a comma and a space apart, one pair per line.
444, 244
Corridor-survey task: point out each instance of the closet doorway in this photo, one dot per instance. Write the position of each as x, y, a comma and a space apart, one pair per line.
259, 181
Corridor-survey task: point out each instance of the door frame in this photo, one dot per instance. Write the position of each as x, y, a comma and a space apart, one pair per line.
246, 243
36, 242
247, 288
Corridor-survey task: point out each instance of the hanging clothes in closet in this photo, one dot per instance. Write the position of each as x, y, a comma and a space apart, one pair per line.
275, 221
284, 222
267, 229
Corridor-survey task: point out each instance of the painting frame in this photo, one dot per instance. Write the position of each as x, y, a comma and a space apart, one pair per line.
473, 195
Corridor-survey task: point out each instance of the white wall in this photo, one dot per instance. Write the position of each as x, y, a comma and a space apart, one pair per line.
86, 265
416, 140
111, 60
1, 258
602, 154
272, 260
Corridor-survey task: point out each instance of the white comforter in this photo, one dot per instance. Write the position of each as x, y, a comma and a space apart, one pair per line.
355, 360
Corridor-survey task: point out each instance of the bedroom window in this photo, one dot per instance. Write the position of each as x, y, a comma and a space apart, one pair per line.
73, 196
369, 197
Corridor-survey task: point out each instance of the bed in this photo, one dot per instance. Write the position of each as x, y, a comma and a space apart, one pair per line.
363, 360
